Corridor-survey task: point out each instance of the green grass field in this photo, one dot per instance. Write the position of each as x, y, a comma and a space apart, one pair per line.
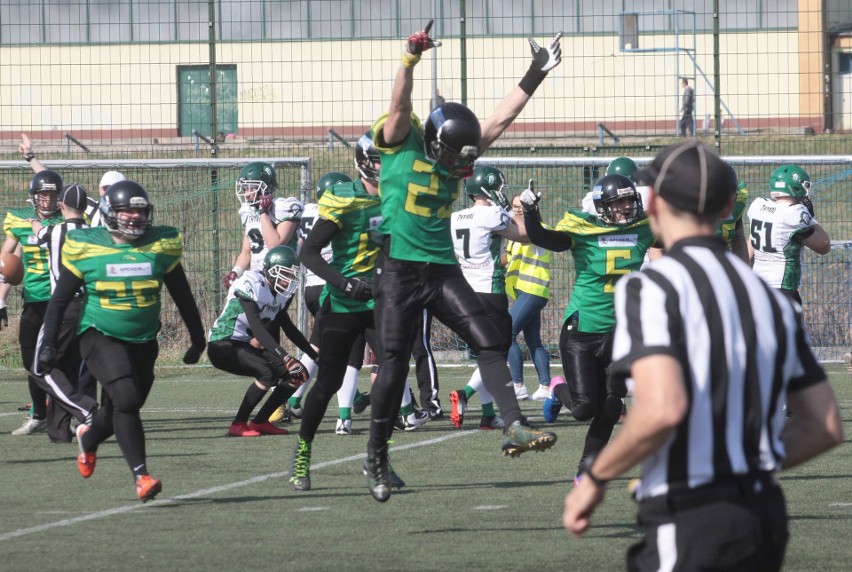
227, 505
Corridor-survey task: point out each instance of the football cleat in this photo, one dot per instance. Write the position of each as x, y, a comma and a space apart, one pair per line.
414, 420
85, 461
266, 428
376, 470
491, 422
280, 415
458, 406
31, 425
847, 359
542, 393
300, 466
147, 487
395, 480
521, 392
521, 438
297, 412
344, 427
551, 408
361, 402
241, 429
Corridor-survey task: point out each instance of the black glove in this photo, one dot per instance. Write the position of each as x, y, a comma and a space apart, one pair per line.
808, 205
358, 289
297, 371
193, 354
47, 358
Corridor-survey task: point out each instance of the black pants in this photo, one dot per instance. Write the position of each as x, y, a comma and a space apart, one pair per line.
32, 317
69, 397
312, 296
241, 358
592, 395
402, 290
740, 525
339, 336
126, 373
425, 368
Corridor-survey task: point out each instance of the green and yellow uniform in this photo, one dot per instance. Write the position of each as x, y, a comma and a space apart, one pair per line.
727, 227
417, 199
36, 284
358, 215
602, 254
123, 281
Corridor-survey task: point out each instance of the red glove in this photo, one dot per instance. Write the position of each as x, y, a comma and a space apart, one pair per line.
418, 42
264, 204
229, 278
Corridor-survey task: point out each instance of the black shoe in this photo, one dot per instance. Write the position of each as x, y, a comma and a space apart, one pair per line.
361, 403
439, 414
376, 470
520, 438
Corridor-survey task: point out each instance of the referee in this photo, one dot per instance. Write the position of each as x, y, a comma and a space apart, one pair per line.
714, 353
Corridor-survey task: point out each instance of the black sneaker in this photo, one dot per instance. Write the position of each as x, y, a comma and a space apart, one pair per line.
433, 415
362, 402
376, 470
520, 438
300, 466
395, 480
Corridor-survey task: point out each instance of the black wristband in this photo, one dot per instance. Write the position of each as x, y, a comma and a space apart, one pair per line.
531, 80
598, 482
29, 157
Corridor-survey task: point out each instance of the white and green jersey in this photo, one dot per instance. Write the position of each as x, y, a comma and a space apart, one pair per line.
478, 249
284, 209
309, 219
774, 227
123, 281
232, 323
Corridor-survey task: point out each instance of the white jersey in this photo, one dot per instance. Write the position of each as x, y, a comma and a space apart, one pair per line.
232, 322
477, 249
774, 228
284, 209
309, 218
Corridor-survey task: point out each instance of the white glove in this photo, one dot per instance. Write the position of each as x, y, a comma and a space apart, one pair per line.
547, 58
529, 197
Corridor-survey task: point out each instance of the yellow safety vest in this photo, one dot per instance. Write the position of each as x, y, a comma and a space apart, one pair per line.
528, 270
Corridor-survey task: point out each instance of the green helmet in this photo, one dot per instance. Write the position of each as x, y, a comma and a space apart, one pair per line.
488, 181
622, 166
256, 179
329, 180
281, 269
789, 181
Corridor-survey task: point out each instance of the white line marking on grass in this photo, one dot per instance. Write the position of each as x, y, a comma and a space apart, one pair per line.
313, 509
213, 490
490, 507
840, 504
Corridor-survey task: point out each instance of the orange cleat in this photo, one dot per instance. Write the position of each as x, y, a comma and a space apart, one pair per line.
238, 429
147, 487
85, 461
267, 428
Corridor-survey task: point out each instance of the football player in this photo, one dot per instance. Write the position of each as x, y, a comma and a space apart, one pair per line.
242, 343
605, 246
477, 238
417, 266
122, 265
45, 187
780, 226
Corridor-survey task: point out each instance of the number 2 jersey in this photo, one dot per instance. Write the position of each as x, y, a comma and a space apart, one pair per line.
123, 281
477, 249
232, 323
284, 209
777, 229
602, 254
36, 284
357, 215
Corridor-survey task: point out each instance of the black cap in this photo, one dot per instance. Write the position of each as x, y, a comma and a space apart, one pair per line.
691, 177
74, 196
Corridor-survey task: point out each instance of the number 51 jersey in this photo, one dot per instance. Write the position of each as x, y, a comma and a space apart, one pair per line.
776, 228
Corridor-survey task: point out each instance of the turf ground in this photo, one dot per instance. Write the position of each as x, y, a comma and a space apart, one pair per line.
227, 505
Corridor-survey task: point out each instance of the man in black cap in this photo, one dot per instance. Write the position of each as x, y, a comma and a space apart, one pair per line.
714, 353
71, 387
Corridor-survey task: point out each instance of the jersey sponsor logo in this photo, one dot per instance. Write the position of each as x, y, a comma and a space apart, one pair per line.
32, 240
375, 221
123, 270
619, 240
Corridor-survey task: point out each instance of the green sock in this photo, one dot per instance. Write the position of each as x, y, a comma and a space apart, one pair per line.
345, 413
488, 409
295, 402
358, 395
406, 410
468, 391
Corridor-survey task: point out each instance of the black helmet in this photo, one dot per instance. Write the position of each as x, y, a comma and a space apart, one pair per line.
452, 135
125, 195
366, 156
46, 182
612, 188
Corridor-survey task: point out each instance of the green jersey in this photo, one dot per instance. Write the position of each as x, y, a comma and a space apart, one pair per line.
123, 281
357, 214
602, 254
728, 226
417, 199
34, 256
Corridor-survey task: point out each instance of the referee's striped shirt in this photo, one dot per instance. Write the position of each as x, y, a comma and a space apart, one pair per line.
53, 237
93, 212
741, 346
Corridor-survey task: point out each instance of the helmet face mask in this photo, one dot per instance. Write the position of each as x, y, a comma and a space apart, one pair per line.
45, 187
789, 181
329, 180
256, 180
616, 200
281, 270
452, 135
131, 198
488, 181
366, 159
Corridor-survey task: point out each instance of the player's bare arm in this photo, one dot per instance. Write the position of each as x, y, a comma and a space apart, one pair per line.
816, 425
26, 150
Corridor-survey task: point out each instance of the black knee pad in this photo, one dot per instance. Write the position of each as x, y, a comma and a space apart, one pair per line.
124, 394
612, 408
583, 411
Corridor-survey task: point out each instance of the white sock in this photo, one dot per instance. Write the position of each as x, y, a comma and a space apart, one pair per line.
311, 366
406, 394
346, 393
